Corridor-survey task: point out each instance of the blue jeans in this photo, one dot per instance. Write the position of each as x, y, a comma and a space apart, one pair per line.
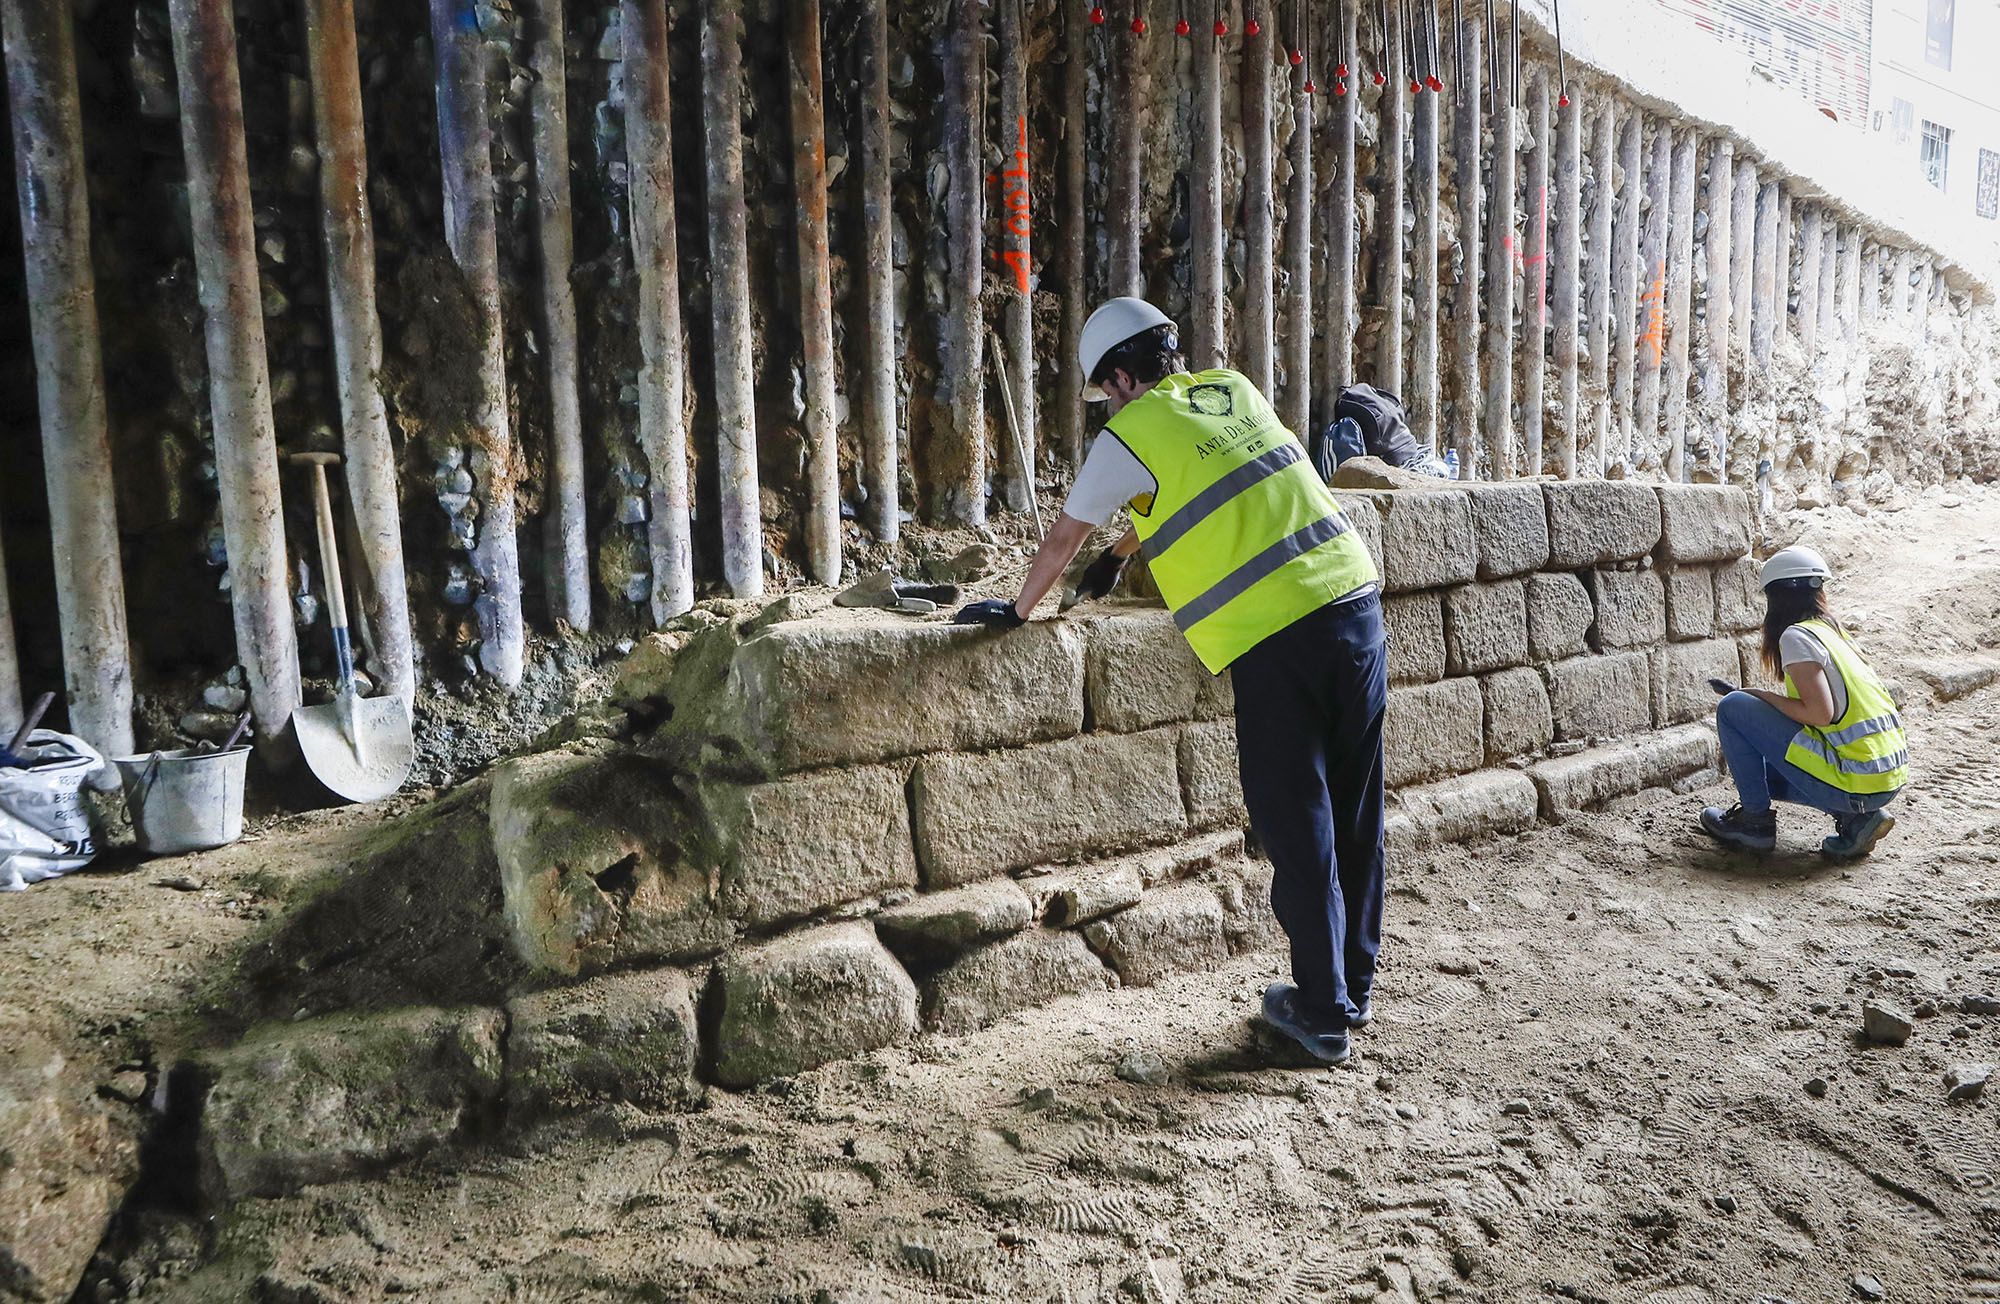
1755, 736
1310, 701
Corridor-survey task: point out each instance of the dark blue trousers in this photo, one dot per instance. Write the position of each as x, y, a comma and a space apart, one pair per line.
1309, 707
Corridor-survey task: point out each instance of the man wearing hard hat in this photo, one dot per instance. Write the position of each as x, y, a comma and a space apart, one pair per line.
1266, 577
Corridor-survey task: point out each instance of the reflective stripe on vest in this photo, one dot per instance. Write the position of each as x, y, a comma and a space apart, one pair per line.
1865, 751
1242, 536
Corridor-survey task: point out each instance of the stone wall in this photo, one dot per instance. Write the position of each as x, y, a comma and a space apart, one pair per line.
853, 828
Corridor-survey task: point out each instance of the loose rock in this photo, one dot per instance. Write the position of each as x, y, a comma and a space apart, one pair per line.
1885, 1025
1142, 1067
1815, 1087
1966, 1081
1867, 1287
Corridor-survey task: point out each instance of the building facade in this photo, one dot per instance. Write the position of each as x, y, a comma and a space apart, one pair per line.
1936, 99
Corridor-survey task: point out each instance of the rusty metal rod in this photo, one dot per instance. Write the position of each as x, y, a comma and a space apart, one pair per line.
1020, 455
662, 380
1535, 281
1568, 217
1676, 380
877, 278
1389, 197
465, 149
1205, 343
566, 546
1712, 373
729, 295
239, 385
1132, 89
1295, 404
1624, 328
1603, 201
1337, 354
1502, 255
1258, 348
348, 235
69, 379
962, 488
1462, 360
808, 121
1421, 374
1653, 299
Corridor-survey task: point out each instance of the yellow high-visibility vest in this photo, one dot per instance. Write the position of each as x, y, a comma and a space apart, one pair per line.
1242, 536
1864, 751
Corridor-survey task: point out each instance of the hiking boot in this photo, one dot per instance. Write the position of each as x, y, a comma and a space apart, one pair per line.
1326, 1044
1854, 836
1741, 828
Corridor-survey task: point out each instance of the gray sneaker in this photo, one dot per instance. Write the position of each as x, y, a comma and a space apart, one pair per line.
1854, 836
1740, 828
1327, 1045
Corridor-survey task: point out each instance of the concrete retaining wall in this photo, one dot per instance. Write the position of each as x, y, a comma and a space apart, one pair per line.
858, 828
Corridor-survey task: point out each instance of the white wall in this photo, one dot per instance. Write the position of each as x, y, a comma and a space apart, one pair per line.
1964, 98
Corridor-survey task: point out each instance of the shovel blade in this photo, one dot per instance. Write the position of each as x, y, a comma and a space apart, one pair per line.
360, 749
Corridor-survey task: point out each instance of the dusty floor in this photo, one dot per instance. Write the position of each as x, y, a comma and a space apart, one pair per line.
1592, 1078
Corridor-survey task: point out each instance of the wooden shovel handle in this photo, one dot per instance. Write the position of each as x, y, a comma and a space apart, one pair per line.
28, 725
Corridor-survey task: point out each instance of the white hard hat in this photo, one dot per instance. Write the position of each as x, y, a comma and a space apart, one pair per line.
1115, 321
1797, 562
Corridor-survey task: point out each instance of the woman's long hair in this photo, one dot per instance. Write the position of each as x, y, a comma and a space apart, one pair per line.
1787, 603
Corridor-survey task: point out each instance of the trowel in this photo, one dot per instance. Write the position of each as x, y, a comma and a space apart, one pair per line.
360, 747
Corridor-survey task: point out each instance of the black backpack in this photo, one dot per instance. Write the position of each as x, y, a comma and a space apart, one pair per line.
1385, 429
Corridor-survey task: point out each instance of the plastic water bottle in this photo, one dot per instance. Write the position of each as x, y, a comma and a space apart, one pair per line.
1451, 462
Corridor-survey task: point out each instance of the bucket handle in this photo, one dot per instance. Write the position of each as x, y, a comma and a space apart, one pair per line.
146, 778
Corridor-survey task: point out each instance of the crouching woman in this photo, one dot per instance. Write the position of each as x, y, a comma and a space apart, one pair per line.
1831, 741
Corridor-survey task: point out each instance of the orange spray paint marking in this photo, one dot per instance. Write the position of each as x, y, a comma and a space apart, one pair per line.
1017, 221
1656, 315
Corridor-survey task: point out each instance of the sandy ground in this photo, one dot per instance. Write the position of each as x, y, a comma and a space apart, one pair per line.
1611, 1062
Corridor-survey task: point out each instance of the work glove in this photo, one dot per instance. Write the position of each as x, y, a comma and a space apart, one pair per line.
1098, 578
997, 612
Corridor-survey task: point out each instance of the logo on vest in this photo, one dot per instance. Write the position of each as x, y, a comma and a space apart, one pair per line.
1211, 400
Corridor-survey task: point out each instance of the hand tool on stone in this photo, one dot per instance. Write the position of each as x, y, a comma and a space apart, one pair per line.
360, 747
12, 758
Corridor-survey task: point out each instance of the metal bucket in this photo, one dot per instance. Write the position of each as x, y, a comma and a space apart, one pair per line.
185, 800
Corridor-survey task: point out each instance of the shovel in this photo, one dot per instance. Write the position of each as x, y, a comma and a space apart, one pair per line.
359, 747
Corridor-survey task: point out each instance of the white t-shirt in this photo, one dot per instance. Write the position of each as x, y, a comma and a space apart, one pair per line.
1109, 478
1799, 646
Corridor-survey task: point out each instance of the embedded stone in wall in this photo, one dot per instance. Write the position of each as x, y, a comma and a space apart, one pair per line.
1139, 673
1077, 895
1596, 521
589, 875
1364, 513
1631, 609
857, 687
1681, 672
806, 998
1211, 778
1170, 930
1030, 968
1248, 922
978, 815
1750, 655
1690, 603
622, 1037
298, 1104
1434, 730
1701, 522
1484, 803
1427, 539
1518, 721
1739, 596
793, 848
1414, 626
1486, 627
935, 926
1559, 616
1600, 696
1569, 784
1511, 525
